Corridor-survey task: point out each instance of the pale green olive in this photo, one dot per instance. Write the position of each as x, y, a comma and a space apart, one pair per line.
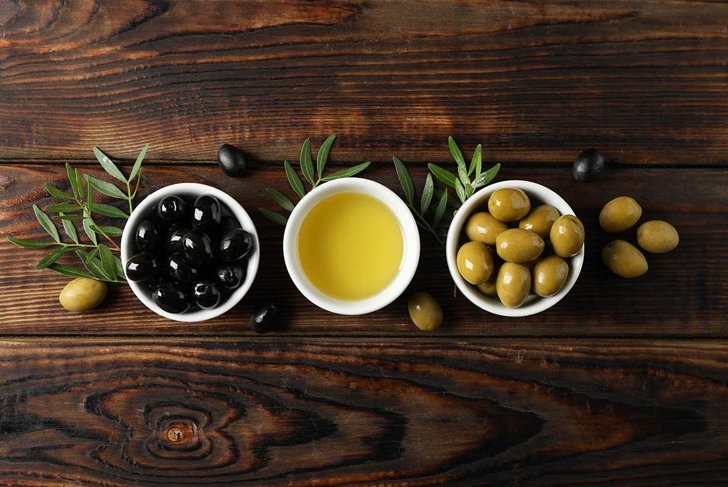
475, 262
624, 259
657, 236
484, 227
487, 288
513, 284
509, 204
83, 294
424, 311
540, 220
549, 275
519, 246
567, 236
620, 214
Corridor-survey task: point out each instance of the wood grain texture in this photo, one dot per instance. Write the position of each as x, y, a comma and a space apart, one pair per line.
685, 293
330, 412
537, 82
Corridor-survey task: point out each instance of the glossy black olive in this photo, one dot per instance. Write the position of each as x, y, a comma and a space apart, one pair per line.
173, 241
197, 248
230, 276
206, 212
148, 237
235, 245
141, 267
588, 165
171, 209
171, 298
206, 295
265, 317
231, 160
179, 269
228, 224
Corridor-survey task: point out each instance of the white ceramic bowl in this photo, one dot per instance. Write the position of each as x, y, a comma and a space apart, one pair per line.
410, 256
455, 236
146, 207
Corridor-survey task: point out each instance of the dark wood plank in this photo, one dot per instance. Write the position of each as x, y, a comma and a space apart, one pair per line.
683, 294
535, 81
332, 412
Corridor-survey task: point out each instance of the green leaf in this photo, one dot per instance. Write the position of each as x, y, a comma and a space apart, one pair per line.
73, 180
109, 230
57, 193
28, 243
452, 202
323, 154
69, 271
440, 210
87, 228
443, 175
476, 164
468, 189
347, 172
282, 200
273, 216
63, 207
460, 191
119, 268
427, 194
76, 217
108, 166
463, 175
106, 188
51, 258
306, 162
455, 151
108, 210
293, 179
138, 164
491, 173
70, 229
107, 261
405, 180
46, 222
94, 265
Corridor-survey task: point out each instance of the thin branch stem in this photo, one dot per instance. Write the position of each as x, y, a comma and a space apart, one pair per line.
424, 224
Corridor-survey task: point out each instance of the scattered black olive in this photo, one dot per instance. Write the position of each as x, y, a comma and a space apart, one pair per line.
148, 237
198, 248
171, 298
206, 212
171, 209
230, 276
235, 245
265, 317
231, 160
141, 267
173, 243
206, 294
588, 165
179, 269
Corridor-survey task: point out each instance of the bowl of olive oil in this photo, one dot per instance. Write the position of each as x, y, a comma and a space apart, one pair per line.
351, 246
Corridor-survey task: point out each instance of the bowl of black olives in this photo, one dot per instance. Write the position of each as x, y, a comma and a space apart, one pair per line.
190, 252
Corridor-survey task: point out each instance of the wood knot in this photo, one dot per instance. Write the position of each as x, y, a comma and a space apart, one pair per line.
175, 434
6, 181
180, 433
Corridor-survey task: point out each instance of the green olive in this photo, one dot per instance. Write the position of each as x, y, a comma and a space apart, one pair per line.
657, 236
509, 204
475, 262
483, 227
620, 214
424, 311
540, 220
513, 284
487, 288
624, 259
567, 236
549, 275
83, 294
519, 246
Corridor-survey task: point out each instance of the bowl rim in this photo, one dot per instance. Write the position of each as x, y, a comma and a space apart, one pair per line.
196, 189
533, 304
410, 257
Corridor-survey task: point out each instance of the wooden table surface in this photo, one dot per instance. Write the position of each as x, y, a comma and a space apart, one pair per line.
625, 382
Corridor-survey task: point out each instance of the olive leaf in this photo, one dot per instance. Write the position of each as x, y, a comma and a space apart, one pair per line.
29, 243
70, 229
109, 230
476, 164
427, 194
138, 163
404, 180
46, 222
443, 175
462, 183
108, 166
347, 172
57, 193
273, 216
293, 179
72, 175
455, 151
440, 210
62, 207
306, 162
51, 258
88, 230
69, 271
105, 188
282, 200
108, 210
323, 154
107, 261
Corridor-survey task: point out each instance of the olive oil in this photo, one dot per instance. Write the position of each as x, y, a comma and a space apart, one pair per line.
350, 246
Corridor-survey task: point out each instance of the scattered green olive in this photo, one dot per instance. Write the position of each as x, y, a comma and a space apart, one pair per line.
567, 236
83, 294
424, 311
513, 284
509, 204
549, 275
484, 227
657, 236
624, 259
540, 220
518, 245
475, 262
487, 288
620, 214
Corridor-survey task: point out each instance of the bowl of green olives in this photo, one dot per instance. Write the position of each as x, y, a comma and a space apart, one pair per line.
515, 248
190, 252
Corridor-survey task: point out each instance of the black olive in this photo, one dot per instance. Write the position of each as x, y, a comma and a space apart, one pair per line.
228, 224
206, 294
148, 236
197, 248
171, 209
179, 269
588, 165
231, 160
265, 317
230, 276
171, 298
173, 242
206, 212
235, 245
141, 267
